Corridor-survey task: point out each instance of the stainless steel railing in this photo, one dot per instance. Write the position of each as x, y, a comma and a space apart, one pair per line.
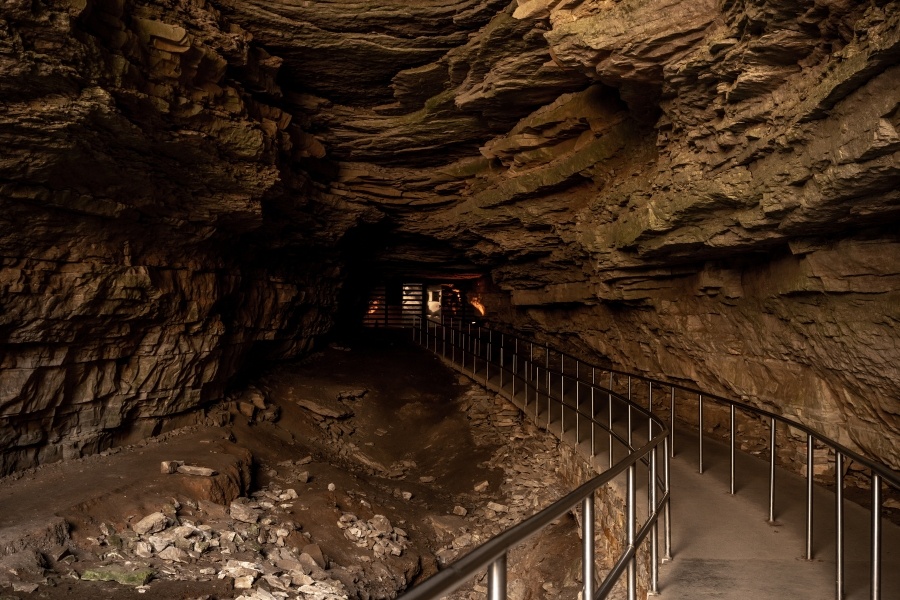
572, 367
537, 384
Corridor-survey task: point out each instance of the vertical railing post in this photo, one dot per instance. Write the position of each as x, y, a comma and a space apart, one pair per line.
515, 358
469, 348
839, 524
475, 347
501, 361
587, 538
577, 402
700, 426
876, 537
526, 381
667, 555
452, 343
610, 405
672, 423
497, 579
772, 471
654, 529
547, 368
629, 412
530, 359
593, 414
650, 436
732, 448
630, 529
810, 444
487, 360
562, 396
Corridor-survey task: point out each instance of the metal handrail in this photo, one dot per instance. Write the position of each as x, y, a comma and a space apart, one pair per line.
492, 554
880, 474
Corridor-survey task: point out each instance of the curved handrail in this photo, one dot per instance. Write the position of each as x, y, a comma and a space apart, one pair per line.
880, 473
887, 474
474, 562
492, 554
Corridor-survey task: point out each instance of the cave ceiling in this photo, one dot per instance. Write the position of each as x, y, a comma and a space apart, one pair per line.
548, 140
705, 188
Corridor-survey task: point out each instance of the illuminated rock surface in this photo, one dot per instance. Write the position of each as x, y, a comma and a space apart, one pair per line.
704, 189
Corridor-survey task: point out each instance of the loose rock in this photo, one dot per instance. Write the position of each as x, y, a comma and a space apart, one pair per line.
151, 523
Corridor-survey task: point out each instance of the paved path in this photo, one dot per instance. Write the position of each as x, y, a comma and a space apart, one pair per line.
723, 546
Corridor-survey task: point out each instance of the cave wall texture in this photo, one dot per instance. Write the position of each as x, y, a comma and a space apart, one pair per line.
708, 189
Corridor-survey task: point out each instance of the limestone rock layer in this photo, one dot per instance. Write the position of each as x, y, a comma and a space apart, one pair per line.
706, 190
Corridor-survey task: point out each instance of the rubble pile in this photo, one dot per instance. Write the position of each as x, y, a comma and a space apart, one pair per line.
532, 480
376, 534
254, 542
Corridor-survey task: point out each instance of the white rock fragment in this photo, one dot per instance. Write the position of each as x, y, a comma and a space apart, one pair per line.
380, 524
499, 508
480, 487
460, 511
331, 487
151, 523
159, 542
322, 590
198, 471
241, 511
143, 549
174, 554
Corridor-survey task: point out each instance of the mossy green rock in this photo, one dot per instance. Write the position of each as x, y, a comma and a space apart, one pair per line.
118, 574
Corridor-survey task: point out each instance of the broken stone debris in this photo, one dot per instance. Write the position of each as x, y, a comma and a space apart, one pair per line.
258, 526
151, 523
244, 511
376, 534
531, 481
198, 471
355, 394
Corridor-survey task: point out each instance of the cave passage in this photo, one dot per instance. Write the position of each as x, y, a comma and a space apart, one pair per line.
195, 192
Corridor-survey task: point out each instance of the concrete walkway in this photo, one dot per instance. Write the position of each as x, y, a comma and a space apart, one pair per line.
723, 546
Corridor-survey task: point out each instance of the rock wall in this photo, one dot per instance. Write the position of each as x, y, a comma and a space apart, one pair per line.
138, 174
707, 190
720, 205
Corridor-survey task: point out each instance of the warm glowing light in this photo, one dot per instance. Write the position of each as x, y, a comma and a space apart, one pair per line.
478, 305
373, 307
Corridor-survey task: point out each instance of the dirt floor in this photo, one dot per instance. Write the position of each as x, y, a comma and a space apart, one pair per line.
352, 474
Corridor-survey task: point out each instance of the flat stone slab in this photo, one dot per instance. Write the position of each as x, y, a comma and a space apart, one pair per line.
325, 408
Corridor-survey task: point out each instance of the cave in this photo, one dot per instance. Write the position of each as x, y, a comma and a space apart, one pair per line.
215, 211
